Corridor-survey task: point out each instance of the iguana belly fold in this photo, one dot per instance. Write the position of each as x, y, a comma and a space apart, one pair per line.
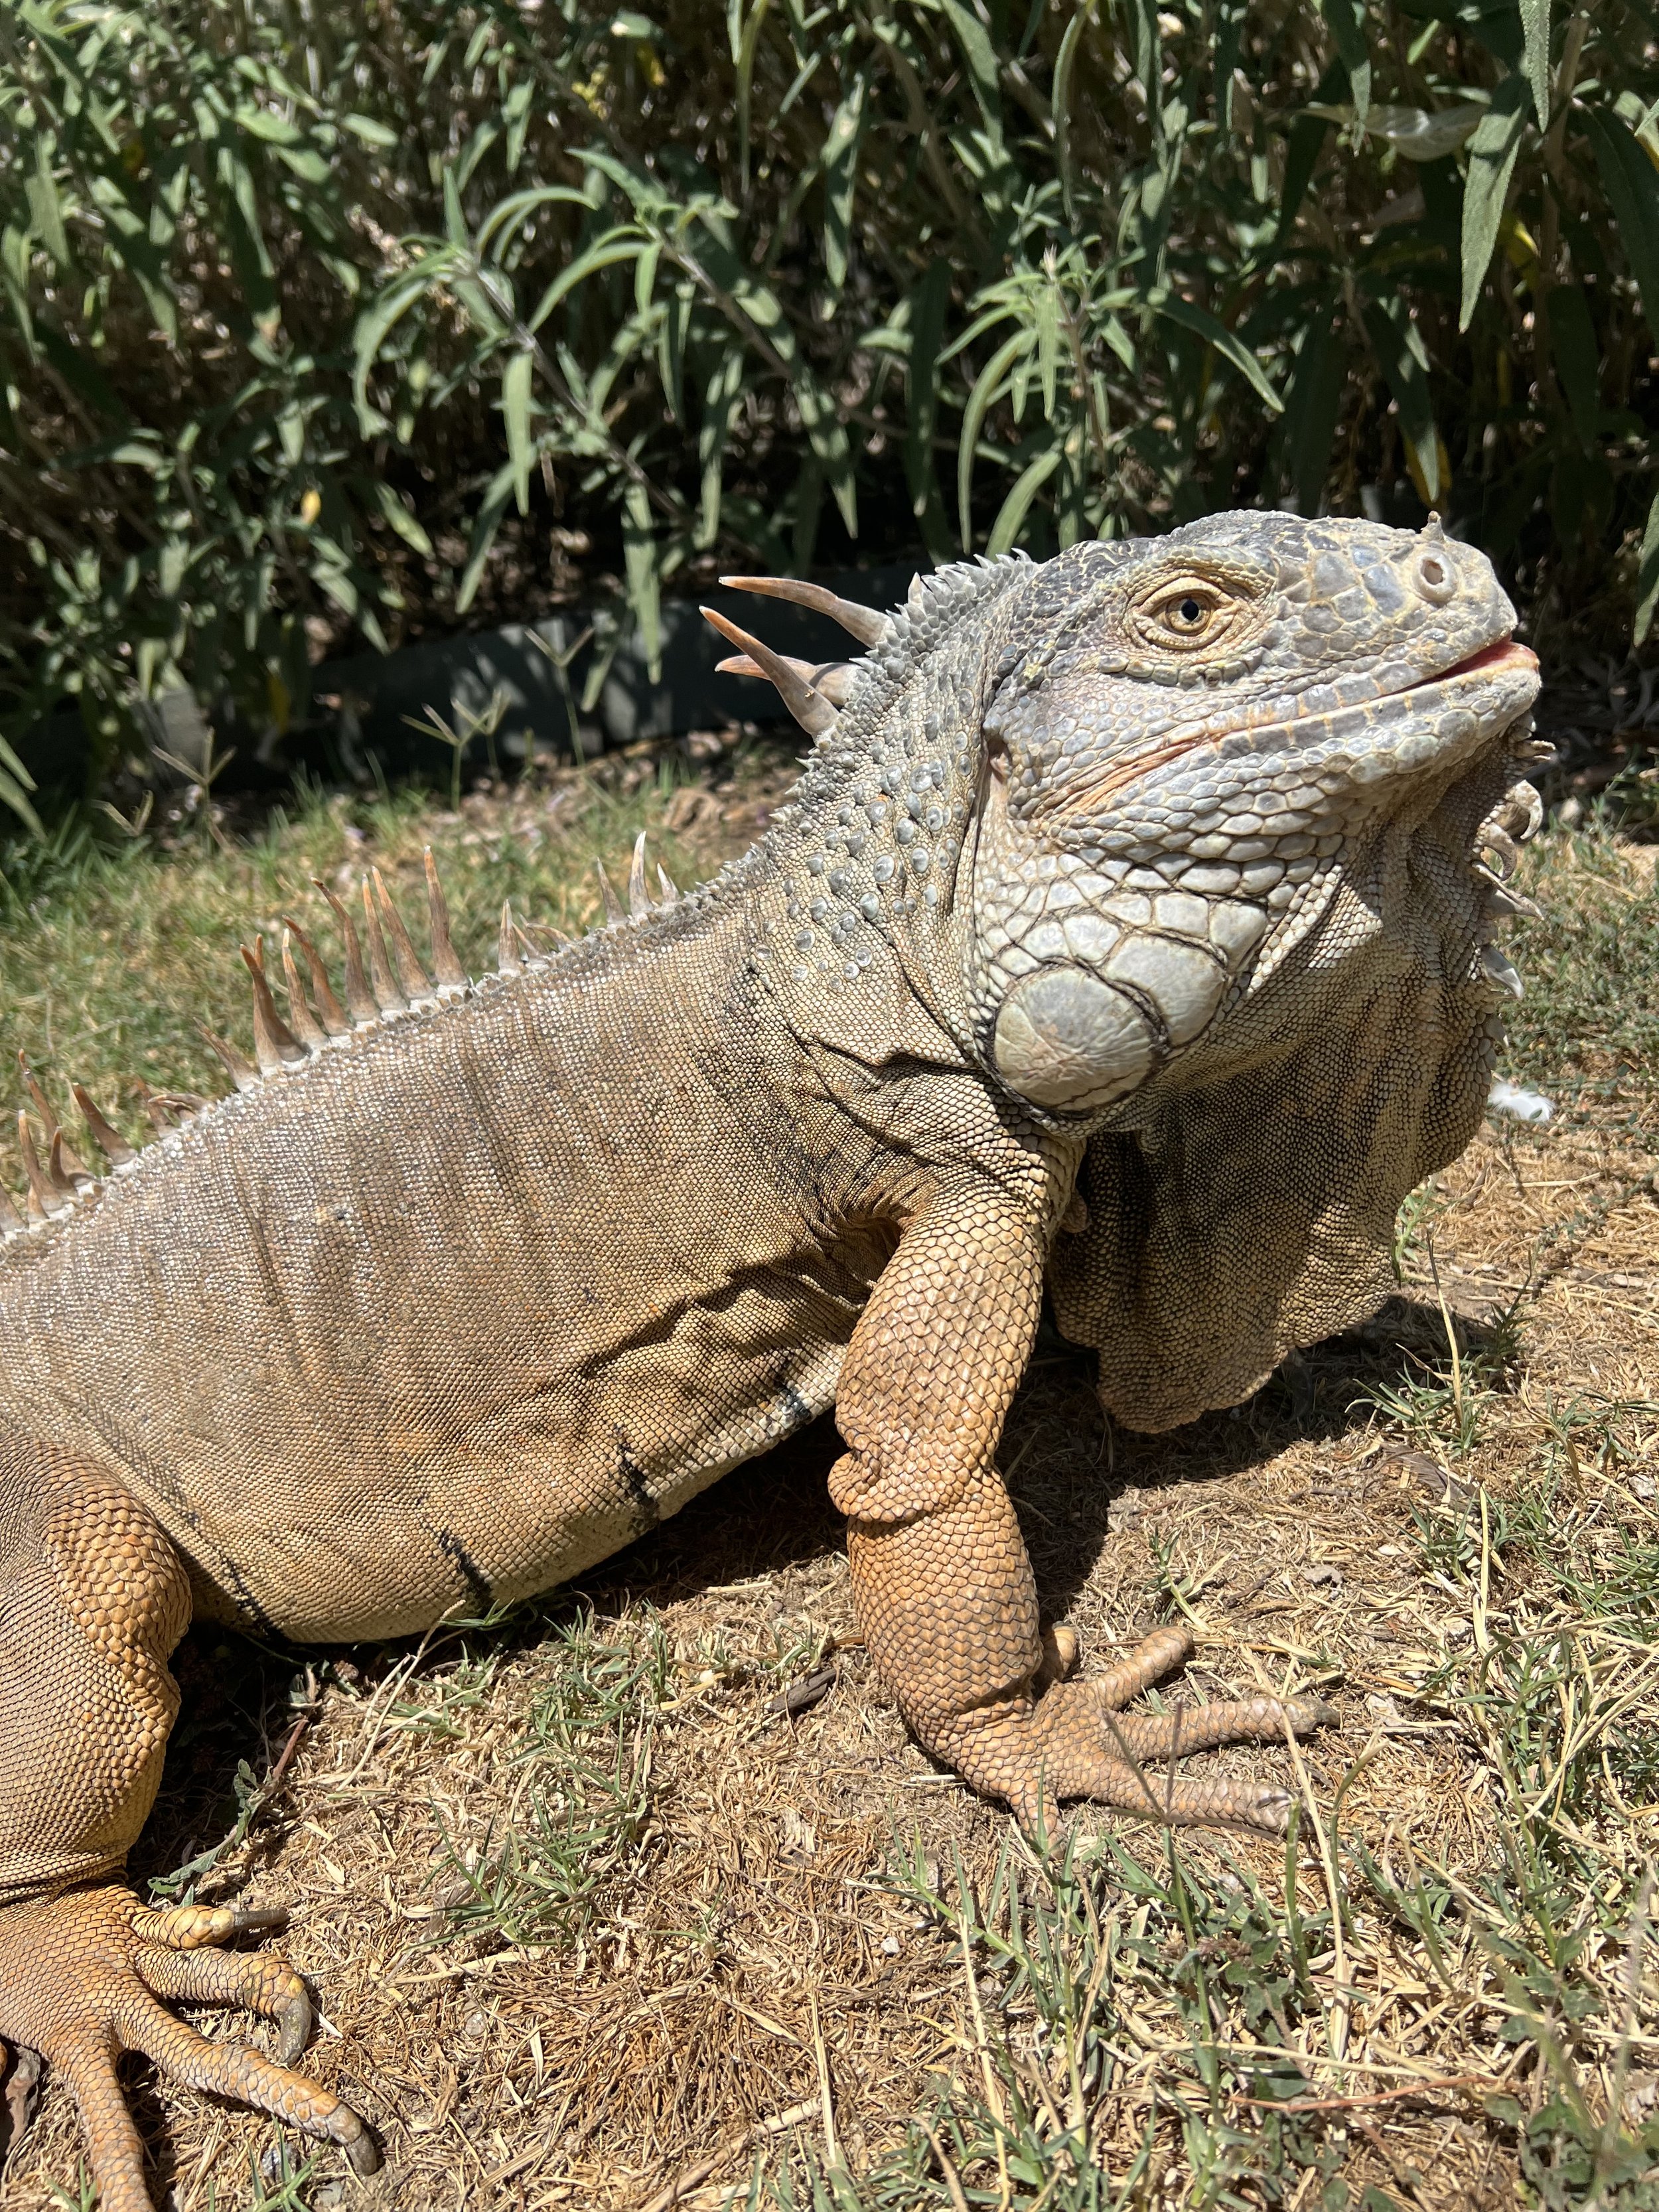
1128, 934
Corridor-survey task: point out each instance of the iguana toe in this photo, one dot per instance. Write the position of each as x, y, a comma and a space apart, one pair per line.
81, 1975
1076, 1743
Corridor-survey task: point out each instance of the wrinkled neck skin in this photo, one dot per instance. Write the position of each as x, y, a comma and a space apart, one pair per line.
1081, 825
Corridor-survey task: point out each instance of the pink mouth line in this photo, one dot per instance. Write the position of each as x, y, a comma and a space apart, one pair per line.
1507, 653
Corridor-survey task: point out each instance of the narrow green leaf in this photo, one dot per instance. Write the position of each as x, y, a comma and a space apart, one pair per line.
1011, 516
840, 159
15, 259
1174, 309
400, 518
1647, 576
508, 216
371, 132
1304, 144
1048, 307
1492, 150
639, 562
745, 61
720, 406
1061, 101
515, 413
1312, 408
621, 244
45, 213
1535, 32
12, 787
821, 419
929, 304
454, 219
491, 508
260, 123
1632, 188
1403, 359
986, 384
375, 324
974, 42
1347, 21
1578, 358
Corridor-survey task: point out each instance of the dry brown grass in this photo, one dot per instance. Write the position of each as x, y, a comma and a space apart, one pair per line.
753, 1991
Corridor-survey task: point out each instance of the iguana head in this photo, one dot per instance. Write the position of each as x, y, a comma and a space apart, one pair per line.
1136, 775
1187, 740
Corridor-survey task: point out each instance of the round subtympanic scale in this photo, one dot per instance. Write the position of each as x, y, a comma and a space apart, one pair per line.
1065, 1039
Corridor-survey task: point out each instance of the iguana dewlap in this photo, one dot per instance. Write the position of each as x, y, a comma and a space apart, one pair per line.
1127, 928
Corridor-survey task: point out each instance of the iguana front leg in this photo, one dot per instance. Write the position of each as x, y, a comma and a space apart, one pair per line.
92, 1598
940, 1577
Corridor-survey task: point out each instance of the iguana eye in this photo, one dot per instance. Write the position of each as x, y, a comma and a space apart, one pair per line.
1189, 613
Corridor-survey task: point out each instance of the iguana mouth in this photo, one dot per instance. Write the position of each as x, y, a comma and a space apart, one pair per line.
1488, 661
1507, 652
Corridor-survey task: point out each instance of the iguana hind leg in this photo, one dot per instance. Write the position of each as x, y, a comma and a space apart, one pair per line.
941, 1576
93, 1599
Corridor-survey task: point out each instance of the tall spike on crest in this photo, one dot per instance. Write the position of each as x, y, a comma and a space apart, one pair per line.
58, 1173
831, 679
360, 1000
159, 1107
507, 961
12, 1223
109, 1140
335, 1024
669, 888
45, 1198
864, 624
639, 898
809, 707
240, 1070
275, 1045
303, 1022
416, 984
43, 1107
452, 976
615, 911
389, 1000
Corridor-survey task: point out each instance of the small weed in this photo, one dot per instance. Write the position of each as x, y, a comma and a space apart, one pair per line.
581, 1810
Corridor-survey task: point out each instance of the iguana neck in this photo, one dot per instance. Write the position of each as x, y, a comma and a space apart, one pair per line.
864, 915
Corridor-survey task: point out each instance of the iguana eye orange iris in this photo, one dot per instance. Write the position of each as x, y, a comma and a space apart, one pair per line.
1188, 612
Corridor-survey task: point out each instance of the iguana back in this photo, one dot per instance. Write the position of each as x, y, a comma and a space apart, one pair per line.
447, 1317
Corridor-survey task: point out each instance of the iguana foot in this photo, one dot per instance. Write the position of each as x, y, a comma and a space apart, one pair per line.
81, 1974
1076, 1743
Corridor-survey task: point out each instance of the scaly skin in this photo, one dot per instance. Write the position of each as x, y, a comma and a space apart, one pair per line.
1126, 932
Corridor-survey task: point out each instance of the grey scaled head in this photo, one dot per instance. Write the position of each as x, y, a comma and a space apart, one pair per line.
1189, 739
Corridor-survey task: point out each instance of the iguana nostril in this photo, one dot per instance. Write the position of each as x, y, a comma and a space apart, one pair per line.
1433, 578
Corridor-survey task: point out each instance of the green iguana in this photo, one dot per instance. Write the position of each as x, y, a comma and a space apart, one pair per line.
1127, 929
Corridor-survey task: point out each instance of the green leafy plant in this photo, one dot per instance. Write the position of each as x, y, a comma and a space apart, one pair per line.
313, 325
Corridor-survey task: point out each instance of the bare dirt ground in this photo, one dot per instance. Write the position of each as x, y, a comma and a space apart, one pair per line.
594, 1919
